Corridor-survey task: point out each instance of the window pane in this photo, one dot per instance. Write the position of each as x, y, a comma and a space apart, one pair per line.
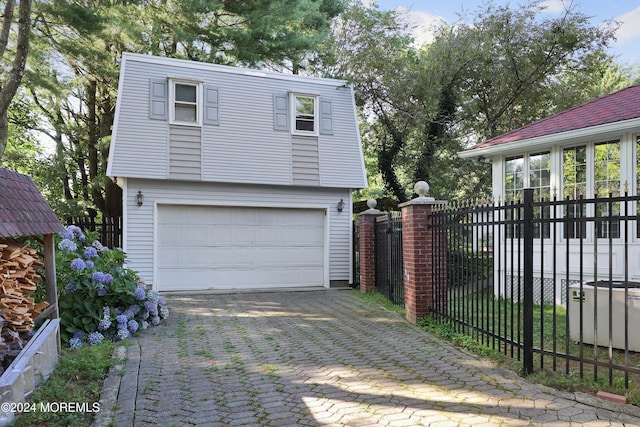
186, 113
304, 106
185, 93
302, 124
574, 185
305, 113
513, 185
637, 183
539, 181
607, 181
514, 179
574, 172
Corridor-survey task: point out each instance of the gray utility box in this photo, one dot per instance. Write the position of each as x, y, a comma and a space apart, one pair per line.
587, 298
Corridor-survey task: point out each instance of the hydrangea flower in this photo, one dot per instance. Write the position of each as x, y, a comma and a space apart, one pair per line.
66, 234
155, 320
144, 315
90, 252
67, 245
104, 324
102, 291
121, 319
75, 343
139, 294
144, 325
132, 325
77, 232
70, 288
102, 278
161, 301
106, 312
164, 312
95, 338
78, 264
123, 334
135, 309
89, 264
129, 313
151, 306
97, 245
153, 296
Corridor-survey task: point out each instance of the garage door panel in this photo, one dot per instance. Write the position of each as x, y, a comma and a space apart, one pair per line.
201, 247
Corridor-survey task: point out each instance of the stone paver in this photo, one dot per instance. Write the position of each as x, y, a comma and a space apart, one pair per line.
320, 358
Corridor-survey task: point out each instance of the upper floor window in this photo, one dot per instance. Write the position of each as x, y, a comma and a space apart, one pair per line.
185, 102
305, 114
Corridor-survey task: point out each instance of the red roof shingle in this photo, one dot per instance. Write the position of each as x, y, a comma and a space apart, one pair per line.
23, 210
615, 107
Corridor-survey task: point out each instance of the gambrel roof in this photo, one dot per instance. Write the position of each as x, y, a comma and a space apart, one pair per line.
610, 109
23, 210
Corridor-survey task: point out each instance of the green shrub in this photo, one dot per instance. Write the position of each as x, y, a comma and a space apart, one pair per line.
100, 298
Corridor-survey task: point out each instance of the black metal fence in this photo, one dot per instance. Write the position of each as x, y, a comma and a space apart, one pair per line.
108, 228
389, 267
546, 282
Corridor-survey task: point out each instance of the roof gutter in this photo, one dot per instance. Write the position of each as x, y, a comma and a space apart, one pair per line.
546, 141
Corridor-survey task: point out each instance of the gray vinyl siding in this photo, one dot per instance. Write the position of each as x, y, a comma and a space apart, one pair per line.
140, 219
243, 147
185, 153
304, 158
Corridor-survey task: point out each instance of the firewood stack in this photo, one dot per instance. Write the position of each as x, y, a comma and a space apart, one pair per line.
18, 279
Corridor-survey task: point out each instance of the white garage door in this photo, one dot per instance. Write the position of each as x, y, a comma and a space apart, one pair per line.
203, 247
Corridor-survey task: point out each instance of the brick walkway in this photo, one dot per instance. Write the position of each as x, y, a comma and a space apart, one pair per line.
321, 358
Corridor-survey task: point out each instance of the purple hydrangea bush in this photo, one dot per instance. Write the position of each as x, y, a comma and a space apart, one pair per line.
101, 298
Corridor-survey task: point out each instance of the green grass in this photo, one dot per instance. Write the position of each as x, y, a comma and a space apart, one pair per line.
78, 377
549, 330
377, 299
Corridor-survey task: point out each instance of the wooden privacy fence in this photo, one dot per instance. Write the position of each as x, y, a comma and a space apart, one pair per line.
108, 228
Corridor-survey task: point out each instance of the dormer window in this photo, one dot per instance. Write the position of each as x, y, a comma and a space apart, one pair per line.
185, 102
305, 114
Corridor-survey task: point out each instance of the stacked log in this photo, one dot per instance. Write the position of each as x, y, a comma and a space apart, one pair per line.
18, 279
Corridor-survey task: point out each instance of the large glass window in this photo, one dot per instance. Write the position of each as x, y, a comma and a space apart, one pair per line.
529, 171
638, 183
606, 169
540, 182
574, 185
513, 179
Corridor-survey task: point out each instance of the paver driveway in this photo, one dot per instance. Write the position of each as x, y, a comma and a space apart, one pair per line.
322, 358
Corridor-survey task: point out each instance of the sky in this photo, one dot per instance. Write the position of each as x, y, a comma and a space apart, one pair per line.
627, 12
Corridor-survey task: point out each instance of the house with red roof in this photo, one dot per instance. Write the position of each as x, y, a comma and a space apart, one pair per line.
590, 151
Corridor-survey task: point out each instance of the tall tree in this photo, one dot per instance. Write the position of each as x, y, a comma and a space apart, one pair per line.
75, 81
11, 75
480, 77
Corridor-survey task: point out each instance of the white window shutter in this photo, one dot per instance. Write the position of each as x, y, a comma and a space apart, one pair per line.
158, 99
211, 105
280, 111
326, 117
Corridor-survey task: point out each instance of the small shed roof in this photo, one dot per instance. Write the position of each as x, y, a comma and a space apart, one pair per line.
615, 107
23, 209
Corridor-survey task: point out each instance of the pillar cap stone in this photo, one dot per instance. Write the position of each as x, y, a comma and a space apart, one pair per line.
421, 188
371, 203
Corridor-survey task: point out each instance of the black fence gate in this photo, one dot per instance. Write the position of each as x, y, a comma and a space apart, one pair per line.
389, 267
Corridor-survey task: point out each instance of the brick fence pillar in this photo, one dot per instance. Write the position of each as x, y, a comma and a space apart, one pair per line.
418, 256
367, 246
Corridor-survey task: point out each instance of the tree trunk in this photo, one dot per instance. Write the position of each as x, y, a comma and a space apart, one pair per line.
9, 88
4, 132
